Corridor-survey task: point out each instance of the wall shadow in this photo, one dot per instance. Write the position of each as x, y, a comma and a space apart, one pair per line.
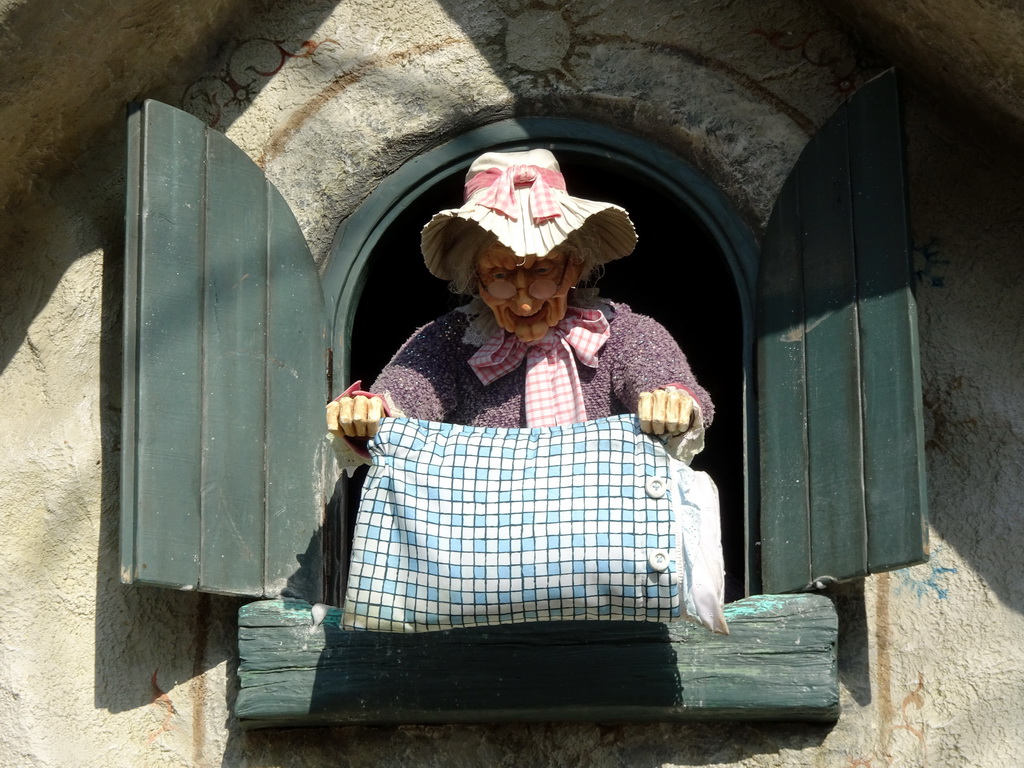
142, 633
638, 745
499, 669
853, 658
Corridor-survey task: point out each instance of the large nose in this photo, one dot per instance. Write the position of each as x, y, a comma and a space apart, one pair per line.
525, 303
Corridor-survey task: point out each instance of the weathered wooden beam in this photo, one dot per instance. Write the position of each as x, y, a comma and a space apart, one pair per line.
778, 663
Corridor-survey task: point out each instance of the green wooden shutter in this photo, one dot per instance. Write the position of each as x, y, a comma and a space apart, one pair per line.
839, 392
224, 371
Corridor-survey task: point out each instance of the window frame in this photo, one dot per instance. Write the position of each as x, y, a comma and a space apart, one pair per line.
348, 262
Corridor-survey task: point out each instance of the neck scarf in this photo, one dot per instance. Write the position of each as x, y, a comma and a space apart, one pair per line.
554, 394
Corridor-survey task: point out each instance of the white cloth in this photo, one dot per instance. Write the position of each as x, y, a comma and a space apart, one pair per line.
466, 526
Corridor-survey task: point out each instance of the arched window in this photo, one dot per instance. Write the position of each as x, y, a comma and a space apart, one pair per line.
690, 271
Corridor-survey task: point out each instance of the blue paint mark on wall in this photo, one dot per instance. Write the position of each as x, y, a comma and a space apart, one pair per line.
932, 584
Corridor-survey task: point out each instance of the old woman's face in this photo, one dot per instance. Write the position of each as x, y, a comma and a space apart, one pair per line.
527, 295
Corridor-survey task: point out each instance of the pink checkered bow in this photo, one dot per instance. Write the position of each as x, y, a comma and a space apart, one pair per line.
501, 186
553, 392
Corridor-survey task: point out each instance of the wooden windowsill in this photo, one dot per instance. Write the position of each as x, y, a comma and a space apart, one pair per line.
778, 663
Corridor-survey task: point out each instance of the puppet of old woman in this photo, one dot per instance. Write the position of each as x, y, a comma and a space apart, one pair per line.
533, 347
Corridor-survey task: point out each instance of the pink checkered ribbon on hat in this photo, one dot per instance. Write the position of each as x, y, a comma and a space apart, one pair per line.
501, 186
553, 392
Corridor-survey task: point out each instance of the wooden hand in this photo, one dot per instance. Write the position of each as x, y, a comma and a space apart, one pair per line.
357, 416
665, 411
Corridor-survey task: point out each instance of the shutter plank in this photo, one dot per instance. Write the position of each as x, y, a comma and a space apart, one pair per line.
161, 508
893, 439
295, 408
234, 385
129, 365
782, 381
838, 534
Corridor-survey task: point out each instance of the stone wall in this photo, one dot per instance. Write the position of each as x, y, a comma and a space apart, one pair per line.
329, 100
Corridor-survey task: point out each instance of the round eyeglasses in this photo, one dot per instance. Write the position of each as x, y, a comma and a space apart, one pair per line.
542, 281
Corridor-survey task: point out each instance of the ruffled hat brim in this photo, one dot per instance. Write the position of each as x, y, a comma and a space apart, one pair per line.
606, 226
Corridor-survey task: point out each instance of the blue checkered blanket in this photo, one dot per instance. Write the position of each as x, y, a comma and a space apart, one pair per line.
465, 526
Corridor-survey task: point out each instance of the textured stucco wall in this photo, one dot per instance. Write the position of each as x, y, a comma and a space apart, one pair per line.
331, 99
967, 52
70, 67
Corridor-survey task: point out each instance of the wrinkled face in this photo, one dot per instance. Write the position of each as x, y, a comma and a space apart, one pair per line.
527, 296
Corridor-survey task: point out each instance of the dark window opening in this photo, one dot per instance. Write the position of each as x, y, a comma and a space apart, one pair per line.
676, 275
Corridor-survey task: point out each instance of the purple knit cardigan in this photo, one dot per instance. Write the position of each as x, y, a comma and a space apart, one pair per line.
429, 377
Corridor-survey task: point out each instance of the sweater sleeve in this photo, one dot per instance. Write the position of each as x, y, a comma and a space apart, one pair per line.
646, 357
419, 380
